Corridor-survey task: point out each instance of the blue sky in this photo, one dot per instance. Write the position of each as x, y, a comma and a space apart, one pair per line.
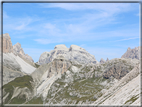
105, 30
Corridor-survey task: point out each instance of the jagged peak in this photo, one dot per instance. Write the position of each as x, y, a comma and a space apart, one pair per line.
17, 44
129, 48
102, 60
107, 59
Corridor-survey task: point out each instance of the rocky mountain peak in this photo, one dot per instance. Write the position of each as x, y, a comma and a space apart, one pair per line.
18, 50
61, 47
128, 49
132, 53
76, 48
7, 44
102, 61
6, 35
107, 59
74, 53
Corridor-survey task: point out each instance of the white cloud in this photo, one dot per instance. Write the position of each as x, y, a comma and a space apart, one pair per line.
109, 7
125, 39
47, 41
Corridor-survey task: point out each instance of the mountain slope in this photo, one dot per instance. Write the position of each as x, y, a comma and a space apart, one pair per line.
124, 92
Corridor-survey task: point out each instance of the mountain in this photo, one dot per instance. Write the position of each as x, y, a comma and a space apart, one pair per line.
74, 53
132, 53
17, 50
7, 44
102, 61
65, 82
69, 76
14, 61
124, 92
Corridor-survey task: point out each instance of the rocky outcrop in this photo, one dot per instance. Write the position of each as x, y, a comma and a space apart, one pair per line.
7, 44
102, 61
59, 65
107, 59
47, 74
119, 67
74, 53
17, 50
43, 57
132, 53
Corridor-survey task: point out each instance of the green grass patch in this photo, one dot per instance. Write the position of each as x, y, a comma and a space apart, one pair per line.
36, 65
131, 100
20, 82
35, 100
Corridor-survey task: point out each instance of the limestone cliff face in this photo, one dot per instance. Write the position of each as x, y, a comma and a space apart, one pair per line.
59, 65
74, 53
132, 53
17, 50
7, 44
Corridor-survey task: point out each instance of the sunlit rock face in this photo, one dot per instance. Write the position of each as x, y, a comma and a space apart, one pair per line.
17, 50
132, 53
74, 53
7, 44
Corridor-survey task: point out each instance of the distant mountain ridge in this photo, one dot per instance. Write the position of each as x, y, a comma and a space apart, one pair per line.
132, 53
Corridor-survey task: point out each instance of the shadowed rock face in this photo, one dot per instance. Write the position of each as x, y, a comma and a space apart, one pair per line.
117, 71
7, 44
132, 53
119, 68
17, 50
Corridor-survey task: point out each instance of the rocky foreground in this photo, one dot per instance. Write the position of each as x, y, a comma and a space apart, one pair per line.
69, 77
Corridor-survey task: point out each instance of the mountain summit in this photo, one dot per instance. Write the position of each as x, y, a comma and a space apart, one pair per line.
74, 53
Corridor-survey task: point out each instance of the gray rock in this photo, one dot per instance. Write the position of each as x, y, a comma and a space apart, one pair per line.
132, 53
17, 50
107, 59
74, 53
102, 61
118, 68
